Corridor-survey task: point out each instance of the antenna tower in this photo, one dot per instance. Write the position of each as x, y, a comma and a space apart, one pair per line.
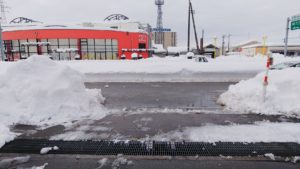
3, 8
159, 24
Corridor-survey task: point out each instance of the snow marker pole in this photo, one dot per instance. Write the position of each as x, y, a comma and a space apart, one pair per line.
266, 77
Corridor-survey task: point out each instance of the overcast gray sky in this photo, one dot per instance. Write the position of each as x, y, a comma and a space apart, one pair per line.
244, 19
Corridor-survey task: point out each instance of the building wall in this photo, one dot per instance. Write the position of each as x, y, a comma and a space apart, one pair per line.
260, 50
249, 51
129, 41
169, 38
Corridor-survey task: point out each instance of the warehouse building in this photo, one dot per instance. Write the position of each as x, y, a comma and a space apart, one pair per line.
261, 49
63, 42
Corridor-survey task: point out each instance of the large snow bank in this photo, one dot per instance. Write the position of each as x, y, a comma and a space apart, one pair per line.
250, 133
283, 94
40, 92
171, 65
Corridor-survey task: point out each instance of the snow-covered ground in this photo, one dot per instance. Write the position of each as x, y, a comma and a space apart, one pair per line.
225, 68
170, 65
259, 132
282, 97
40, 92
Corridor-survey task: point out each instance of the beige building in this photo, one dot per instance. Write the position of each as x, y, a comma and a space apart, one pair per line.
239, 47
260, 49
169, 39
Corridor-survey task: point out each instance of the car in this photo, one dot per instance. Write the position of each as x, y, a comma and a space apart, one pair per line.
201, 59
286, 65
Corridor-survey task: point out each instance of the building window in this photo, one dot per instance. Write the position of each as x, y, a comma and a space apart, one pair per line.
142, 45
65, 49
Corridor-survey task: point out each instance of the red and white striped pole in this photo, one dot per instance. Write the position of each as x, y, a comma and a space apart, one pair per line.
266, 77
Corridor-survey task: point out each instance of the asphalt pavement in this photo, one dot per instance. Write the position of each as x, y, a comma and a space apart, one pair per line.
140, 110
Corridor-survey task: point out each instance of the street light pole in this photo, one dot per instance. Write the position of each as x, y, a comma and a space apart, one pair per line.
286, 40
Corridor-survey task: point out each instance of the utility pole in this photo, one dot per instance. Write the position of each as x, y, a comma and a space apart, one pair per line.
195, 29
191, 12
229, 36
286, 40
189, 28
223, 45
202, 43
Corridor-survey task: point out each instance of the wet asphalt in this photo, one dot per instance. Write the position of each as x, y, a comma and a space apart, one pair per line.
141, 110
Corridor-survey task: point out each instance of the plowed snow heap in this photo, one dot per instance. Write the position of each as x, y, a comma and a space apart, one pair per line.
39, 91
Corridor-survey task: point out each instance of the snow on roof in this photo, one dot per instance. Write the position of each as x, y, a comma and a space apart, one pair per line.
178, 49
210, 44
38, 26
271, 44
246, 43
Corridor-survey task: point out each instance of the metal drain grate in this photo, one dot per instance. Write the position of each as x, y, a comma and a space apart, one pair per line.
135, 148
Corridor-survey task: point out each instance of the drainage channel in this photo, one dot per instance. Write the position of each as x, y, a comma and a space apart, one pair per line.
135, 148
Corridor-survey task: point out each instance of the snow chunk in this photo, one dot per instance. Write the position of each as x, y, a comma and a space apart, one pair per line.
46, 150
296, 159
270, 156
7, 163
121, 161
102, 163
283, 94
40, 167
5, 135
252, 133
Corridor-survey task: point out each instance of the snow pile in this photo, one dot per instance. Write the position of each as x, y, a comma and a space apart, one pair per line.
250, 133
5, 134
176, 65
283, 94
8, 163
38, 91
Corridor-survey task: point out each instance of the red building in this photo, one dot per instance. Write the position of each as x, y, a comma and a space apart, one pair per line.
66, 43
